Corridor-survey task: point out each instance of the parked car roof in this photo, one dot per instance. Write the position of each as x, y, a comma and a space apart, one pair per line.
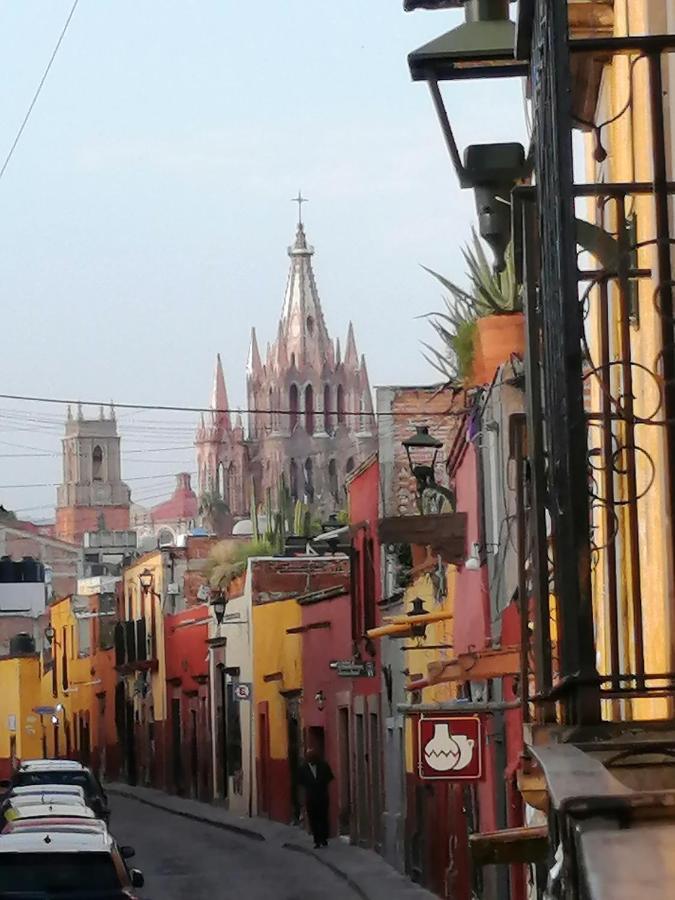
44, 810
56, 823
25, 790
47, 764
48, 841
47, 797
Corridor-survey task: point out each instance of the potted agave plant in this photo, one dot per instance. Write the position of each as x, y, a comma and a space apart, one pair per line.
481, 327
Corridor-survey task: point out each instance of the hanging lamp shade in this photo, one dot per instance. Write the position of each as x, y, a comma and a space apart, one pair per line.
481, 47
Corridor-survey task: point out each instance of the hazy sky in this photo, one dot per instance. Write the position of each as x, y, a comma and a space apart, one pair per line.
145, 216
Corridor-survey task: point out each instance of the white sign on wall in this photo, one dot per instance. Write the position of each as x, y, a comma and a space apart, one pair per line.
11, 723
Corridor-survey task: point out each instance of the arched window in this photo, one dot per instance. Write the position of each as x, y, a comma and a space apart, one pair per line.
221, 486
310, 325
270, 407
293, 479
327, 417
232, 493
309, 480
97, 464
350, 465
165, 538
340, 405
333, 479
293, 405
309, 409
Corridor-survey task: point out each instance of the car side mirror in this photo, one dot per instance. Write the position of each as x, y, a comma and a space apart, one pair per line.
137, 879
127, 852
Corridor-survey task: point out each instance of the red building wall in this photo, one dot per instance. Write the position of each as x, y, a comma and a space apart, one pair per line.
186, 765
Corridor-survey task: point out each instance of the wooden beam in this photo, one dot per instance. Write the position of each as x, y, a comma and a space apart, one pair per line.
444, 533
510, 845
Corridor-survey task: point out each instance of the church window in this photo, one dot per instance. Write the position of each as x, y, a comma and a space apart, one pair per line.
309, 481
309, 409
232, 494
293, 405
333, 479
97, 464
293, 479
221, 485
340, 405
364, 416
270, 407
350, 465
310, 325
327, 412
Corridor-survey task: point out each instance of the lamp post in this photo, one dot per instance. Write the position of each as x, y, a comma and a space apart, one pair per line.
50, 634
482, 47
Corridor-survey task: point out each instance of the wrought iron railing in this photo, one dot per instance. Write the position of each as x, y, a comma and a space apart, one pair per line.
601, 391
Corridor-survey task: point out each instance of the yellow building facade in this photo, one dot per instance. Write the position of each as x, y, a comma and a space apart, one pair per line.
633, 545
23, 730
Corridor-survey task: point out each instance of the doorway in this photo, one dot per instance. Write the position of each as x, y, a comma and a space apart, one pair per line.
264, 794
294, 754
176, 759
361, 781
376, 781
344, 763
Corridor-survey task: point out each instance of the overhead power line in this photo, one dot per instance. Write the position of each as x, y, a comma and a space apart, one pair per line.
158, 407
39, 89
58, 483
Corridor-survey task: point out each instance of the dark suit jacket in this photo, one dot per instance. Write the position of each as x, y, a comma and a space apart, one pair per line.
316, 788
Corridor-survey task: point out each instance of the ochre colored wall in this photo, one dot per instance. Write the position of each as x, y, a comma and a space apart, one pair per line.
629, 148
278, 655
19, 694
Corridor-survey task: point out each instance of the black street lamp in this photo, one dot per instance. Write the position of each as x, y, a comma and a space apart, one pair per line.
419, 447
418, 629
218, 605
482, 47
50, 634
147, 580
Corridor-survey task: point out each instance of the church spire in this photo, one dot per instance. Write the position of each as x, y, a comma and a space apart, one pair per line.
302, 322
351, 355
220, 415
254, 365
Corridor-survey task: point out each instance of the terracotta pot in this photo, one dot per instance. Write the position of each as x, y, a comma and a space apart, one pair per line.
497, 337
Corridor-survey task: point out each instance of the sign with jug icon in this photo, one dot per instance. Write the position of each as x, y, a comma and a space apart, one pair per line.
450, 748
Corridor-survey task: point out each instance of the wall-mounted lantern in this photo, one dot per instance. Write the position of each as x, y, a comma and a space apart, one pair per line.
218, 607
147, 580
482, 47
320, 700
418, 629
50, 634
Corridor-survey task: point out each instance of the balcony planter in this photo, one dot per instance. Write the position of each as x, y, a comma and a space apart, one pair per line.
497, 337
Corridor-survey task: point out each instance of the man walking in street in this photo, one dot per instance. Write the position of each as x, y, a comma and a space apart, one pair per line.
314, 777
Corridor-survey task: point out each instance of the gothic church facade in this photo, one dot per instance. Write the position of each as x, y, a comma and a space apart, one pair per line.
310, 413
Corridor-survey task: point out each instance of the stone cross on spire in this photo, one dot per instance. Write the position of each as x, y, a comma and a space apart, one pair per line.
299, 200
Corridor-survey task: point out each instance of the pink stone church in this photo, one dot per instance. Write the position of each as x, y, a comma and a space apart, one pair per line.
310, 416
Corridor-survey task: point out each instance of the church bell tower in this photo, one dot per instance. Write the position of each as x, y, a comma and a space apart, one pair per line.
92, 495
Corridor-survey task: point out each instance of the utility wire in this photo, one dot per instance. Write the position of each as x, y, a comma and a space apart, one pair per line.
39, 89
412, 413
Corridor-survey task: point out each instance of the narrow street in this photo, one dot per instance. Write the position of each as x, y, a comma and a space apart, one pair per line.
184, 859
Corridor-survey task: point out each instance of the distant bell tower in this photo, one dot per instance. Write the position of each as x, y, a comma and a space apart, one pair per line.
92, 495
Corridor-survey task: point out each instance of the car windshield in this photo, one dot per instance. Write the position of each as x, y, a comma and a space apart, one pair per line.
57, 873
72, 776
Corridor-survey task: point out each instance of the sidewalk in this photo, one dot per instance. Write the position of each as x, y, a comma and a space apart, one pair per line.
363, 870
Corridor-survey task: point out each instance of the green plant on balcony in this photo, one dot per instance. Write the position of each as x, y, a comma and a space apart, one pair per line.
472, 317
228, 559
